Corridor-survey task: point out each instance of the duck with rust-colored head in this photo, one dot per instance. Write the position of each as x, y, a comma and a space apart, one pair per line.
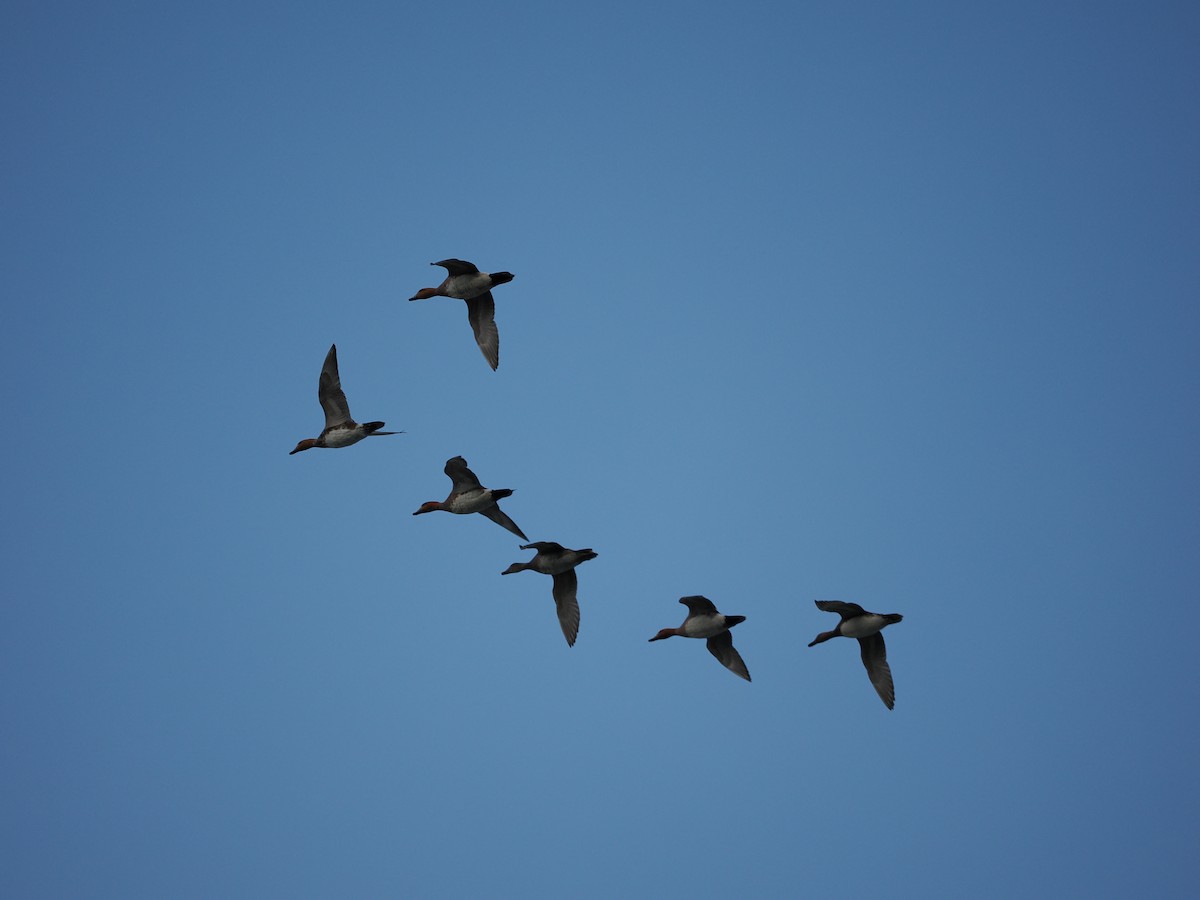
556, 560
867, 627
465, 282
340, 429
703, 621
469, 496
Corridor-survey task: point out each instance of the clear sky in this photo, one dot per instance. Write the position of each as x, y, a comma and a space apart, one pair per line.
887, 303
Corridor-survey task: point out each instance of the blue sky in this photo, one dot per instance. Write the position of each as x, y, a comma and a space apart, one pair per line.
888, 303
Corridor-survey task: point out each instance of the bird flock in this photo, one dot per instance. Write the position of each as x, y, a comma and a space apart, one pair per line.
468, 495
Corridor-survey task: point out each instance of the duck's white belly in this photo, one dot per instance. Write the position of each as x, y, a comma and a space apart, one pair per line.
471, 502
703, 626
464, 287
343, 437
863, 626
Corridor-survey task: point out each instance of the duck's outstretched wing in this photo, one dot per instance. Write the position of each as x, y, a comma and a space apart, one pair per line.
874, 657
699, 606
721, 646
481, 311
566, 586
457, 266
496, 514
845, 610
464, 479
544, 546
329, 392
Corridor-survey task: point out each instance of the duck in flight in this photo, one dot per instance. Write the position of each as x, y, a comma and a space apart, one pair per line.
465, 282
556, 560
340, 429
469, 496
703, 621
867, 627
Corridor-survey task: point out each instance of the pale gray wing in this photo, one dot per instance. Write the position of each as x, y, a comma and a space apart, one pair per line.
481, 311
329, 392
845, 610
566, 585
721, 646
698, 606
874, 657
497, 515
457, 267
464, 479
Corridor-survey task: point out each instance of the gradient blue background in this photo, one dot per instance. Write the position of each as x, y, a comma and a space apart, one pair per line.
888, 303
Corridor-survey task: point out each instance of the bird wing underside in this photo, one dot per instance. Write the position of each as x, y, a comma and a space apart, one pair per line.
566, 585
329, 392
496, 514
845, 610
464, 479
458, 266
721, 646
698, 605
874, 657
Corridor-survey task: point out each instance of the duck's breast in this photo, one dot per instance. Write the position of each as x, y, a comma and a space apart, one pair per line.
863, 626
341, 436
704, 626
466, 287
471, 501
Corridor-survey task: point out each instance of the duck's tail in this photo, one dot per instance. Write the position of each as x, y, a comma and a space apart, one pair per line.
372, 428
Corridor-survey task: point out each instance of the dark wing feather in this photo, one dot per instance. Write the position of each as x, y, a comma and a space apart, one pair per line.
497, 515
329, 392
464, 479
698, 605
544, 547
457, 266
481, 311
845, 610
566, 586
721, 646
874, 657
